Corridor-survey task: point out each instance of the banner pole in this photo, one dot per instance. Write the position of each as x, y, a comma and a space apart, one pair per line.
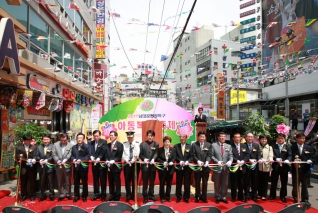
16, 203
135, 206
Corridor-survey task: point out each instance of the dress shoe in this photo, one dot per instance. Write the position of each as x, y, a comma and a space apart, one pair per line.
255, 199
162, 200
60, 199
168, 199
42, 198
23, 198
310, 186
197, 200
243, 200
111, 199
233, 200
52, 198
84, 199
271, 198
69, 197
145, 200
32, 198
152, 198
95, 197
178, 200
204, 200
247, 198
295, 199
103, 199
217, 201
225, 201
263, 198
127, 199
283, 199
75, 199
186, 200
306, 201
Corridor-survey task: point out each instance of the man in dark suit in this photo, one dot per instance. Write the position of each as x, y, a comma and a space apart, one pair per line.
251, 174
165, 155
200, 117
301, 152
147, 155
116, 152
46, 169
62, 151
201, 153
282, 155
80, 152
28, 171
183, 157
240, 157
99, 152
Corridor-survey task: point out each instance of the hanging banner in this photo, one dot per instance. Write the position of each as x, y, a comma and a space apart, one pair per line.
8, 94
221, 99
54, 104
24, 98
128, 116
40, 102
68, 106
38, 83
79, 115
100, 30
99, 76
7, 149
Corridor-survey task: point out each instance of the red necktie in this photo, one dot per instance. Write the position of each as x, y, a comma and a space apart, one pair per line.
222, 149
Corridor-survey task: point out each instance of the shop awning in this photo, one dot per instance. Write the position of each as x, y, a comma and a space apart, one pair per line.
225, 124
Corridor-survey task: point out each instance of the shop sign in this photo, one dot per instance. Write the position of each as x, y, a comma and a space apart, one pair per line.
247, 4
221, 99
99, 80
33, 114
246, 30
8, 46
24, 98
250, 55
68, 106
247, 13
76, 97
248, 21
37, 83
252, 38
4, 119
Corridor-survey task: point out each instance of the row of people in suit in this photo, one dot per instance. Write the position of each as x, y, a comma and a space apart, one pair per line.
201, 153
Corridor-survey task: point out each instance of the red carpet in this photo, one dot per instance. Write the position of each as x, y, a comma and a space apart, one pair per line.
182, 207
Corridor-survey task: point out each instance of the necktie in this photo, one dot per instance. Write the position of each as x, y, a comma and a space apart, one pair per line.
96, 143
222, 149
27, 152
250, 147
130, 152
167, 154
182, 149
201, 146
238, 149
280, 148
300, 150
45, 148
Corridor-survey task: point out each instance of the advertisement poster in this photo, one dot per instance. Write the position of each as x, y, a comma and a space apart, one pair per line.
7, 149
128, 116
78, 115
280, 16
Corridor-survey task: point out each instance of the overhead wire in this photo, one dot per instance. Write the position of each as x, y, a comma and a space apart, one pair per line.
147, 31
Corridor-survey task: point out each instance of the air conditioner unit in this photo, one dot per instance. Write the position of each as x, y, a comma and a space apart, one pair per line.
26, 54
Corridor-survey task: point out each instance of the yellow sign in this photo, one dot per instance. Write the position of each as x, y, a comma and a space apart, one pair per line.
242, 96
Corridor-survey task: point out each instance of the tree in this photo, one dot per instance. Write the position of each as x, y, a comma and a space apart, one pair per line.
256, 124
31, 128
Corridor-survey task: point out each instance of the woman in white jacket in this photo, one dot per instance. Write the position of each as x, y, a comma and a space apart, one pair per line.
264, 167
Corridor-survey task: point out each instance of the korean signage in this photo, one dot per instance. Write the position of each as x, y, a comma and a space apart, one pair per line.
98, 79
38, 83
247, 4
72, 96
251, 38
246, 30
249, 74
241, 96
247, 13
100, 29
248, 21
250, 55
4, 119
7, 149
248, 65
221, 99
249, 47
134, 112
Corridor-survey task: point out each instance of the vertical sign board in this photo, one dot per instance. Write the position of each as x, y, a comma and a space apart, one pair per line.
221, 98
99, 76
100, 29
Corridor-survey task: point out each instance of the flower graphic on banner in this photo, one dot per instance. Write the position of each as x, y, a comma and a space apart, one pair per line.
184, 127
107, 128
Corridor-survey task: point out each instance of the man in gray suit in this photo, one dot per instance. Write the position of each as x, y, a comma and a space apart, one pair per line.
221, 155
45, 169
62, 154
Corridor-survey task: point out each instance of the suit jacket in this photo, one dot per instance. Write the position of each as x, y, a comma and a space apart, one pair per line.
115, 154
243, 156
135, 149
202, 155
31, 155
147, 152
266, 154
199, 119
255, 152
285, 154
216, 153
187, 153
307, 154
83, 154
100, 151
161, 157
57, 152
40, 155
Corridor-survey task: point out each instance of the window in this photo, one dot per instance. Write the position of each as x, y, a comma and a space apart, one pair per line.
203, 53
189, 61
78, 22
189, 38
20, 13
68, 62
185, 63
39, 28
185, 50
205, 66
215, 50
78, 67
69, 11
180, 78
188, 48
56, 44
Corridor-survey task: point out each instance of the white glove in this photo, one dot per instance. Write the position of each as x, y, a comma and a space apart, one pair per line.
260, 161
200, 163
309, 161
111, 162
152, 161
165, 163
29, 160
132, 160
181, 163
279, 159
186, 163
92, 158
228, 164
107, 162
146, 160
59, 162
220, 163
97, 160
171, 163
41, 162
78, 161
206, 164
74, 161
45, 161
271, 161
64, 161
241, 163
33, 161
252, 161
286, 161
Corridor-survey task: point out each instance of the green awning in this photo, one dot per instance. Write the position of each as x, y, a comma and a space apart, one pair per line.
225, 124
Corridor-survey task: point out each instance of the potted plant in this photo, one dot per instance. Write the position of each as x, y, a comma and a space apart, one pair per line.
30, 128
256, 124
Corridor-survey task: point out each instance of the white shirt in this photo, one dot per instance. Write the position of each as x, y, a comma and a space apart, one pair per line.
166, 152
